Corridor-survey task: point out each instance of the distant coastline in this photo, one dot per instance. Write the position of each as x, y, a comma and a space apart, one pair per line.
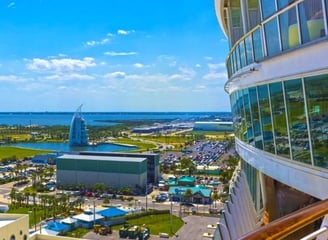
103, 118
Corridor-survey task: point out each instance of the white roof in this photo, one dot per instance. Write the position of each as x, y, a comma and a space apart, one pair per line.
88, 217
102, 158
68, 220
5, 222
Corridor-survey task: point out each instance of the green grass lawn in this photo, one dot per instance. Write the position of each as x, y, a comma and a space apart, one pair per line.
19, 153
160, 223
34, 215
142, 146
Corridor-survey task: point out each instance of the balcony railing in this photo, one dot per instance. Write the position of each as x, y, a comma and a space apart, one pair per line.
285, 226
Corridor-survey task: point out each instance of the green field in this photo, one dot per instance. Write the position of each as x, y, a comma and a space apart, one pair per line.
159, 223
18, 153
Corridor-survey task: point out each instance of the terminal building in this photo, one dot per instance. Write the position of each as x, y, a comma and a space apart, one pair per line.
278, 86
153, 174
213, 126
113, 171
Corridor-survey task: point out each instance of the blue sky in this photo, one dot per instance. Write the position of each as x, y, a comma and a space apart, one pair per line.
111, 55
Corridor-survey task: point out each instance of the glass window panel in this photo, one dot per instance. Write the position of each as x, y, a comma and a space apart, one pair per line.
279, 119
316, 89
241, 116
272, 37
249, 134
268, 8
233, 62
289, 29
326, 4
258, 49
242, 54
249, 50
311, 19
284, 3
298, 130
255, 118
236, 22
237, 58
253, 13
266, 121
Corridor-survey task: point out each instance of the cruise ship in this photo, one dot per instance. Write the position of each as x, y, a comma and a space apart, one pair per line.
277, 69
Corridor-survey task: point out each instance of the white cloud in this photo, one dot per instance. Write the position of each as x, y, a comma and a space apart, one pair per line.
124, 32
114, 54
115, 75
216, 76
197, 65
208, 58
170, 60
93, 43
138, 65
11, 5
185, 74
215, 66
60, 65
10, 78
72, 76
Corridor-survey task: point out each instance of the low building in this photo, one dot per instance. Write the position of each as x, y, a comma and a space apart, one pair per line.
152, 162
113, 171
14, 226
200, 194
213, 126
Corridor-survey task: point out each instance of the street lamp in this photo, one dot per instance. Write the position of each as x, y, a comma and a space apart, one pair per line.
171, 217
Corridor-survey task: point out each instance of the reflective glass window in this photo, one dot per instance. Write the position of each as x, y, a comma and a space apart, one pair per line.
326, 3
298, 130
236, 21
242, 54
257, 41
284, 3
234, 112
240, 119
233, 62
316, 89
289, 30
237, 58
272, 37
266, 122
311, 19
253, 13
268, 8
248, 134
255, 118
279, 119
249, 50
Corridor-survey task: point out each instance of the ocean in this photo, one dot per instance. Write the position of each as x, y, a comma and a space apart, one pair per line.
103, 118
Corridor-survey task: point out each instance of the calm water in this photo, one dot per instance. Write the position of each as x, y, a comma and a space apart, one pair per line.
101, 119
64, 147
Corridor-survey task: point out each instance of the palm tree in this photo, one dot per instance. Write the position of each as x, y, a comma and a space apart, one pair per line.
187, 194
13, 195
215, 196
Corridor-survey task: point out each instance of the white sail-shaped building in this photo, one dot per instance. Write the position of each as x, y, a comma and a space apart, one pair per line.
78, 133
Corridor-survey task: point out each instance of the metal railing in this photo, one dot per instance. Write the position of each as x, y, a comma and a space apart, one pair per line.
285, 226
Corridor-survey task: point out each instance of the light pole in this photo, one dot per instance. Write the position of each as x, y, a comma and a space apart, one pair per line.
171, 217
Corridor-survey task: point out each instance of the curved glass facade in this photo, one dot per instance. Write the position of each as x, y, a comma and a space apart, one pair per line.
288, 118
285, 25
